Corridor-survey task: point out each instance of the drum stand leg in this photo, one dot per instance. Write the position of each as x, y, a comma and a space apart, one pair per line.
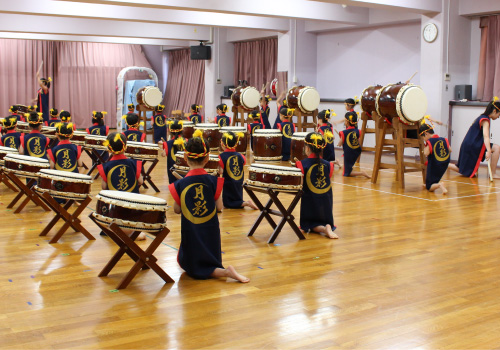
5, 180
146, 174
365, 130
63, 213
144, 259
25, 189
265, 211
96, 160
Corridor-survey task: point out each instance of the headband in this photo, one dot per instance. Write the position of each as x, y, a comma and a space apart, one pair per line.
35, 122
315, 138
58, 129
495, 99
160, 108
180, 122
199, 134
116, 139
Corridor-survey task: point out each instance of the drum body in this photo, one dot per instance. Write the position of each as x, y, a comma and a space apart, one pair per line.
49, 131
407, 102
131, 210
305, 98
242, 142
64, 184
274, 86
24, 166
78, 138
182, 167
95, 141
297, 146
274, 176
187, 129
246, 97
23, 127
369, 98
142, 150
211, 133
149, 96
267, 144
6, 151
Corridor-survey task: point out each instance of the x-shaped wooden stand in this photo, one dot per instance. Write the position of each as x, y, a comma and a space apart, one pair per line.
146, 174
24, 190
144, 259
96, 160
63, 213
6, 182
266, 211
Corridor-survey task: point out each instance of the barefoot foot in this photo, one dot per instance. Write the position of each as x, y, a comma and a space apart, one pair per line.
250, 204
441, 185
330, 233
141, 237
231, 272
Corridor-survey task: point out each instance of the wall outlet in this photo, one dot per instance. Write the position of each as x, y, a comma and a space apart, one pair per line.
447, 77
219, 81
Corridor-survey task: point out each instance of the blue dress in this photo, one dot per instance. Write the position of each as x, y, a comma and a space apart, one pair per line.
264, 117
200, 249
329, 150
65, 156
352, 149
438, 160
195, 118
53, 122
35, 144
232, 163
251, 129
287, 129
316, 207
473, 149
134, 135
121, 173
159, 127
170, 151
11, 139
43, 104
223, 120
96, 129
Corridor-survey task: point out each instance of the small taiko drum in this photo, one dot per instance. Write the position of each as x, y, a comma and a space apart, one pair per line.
131, 210
95, 141
407, 102
22, 109
211, 133
297, 146
49, 131
242, 144
149, 96
246, 97
24, 166
64, 184
369, 98
142, 150
274, 176
306, 98
274, 86
267, 144
23, 127
187, 129
78, 138
182, 167
6, 151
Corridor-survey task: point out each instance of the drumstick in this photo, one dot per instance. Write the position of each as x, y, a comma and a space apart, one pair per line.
411, 77
336, 131
177, 176
295, 159
489, 170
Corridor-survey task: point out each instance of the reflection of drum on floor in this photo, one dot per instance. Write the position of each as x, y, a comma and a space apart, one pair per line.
306, 98
24, 166
246, 97
149, 96
63, 184
406, 102
211, 134
369, 99
297, 146
182, 168
6, 151
131, 210
267, 144
142, 150
274, 176
242, 142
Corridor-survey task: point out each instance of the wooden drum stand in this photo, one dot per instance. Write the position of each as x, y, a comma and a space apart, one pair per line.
25, 190
365, 118
239, 115
143, 116
302, 123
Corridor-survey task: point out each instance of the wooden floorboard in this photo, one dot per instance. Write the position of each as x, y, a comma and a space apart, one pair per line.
411, 269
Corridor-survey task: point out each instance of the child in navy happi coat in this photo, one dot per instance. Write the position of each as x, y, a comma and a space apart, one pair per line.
54, 118
476, 146
198, 198
15, 112
287, 129
65, 156
98, 127
326, 129
172, 146
222, 119
11, 138
231, 166
34, 144
265, 111
254, 116
43, 96
195, 117
316, 207
349, 140
133, 133
159, 123
437, 150
65, 117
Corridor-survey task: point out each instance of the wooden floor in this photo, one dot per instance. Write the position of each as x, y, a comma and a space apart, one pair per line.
411, 269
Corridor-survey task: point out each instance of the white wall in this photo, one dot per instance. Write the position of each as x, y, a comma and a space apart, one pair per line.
349, 61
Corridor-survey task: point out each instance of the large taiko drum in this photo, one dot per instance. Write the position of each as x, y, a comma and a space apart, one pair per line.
149, 96
297, 146
95, 141
306, 98
64, 184
187, 129
23, 127
182, 167
369, 99
131, 210
246, 97
274, 176
267, 144
24, 166
211, 133
49, 131
78, 137
407, 102
142, 150
242, 142
4, 151
274, 86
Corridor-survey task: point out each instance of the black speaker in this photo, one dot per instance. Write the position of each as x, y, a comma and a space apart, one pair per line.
463, 91
228, 90
200, 52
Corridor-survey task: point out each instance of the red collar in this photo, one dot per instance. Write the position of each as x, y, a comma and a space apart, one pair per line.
11, 131
350, 127
435, 136
52, 118
35, 132
96, 124
324, 124
255, 122
223, 115
119, 157
135, 129
286, 121
230, 149
312, 155
199, 171
64, 142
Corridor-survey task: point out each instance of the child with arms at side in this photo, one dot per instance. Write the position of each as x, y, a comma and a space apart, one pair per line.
349, 140
437, 150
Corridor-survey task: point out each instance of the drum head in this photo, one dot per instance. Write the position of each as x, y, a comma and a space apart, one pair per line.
300, 135
65, 174
278, 168
8, 150
249, 97
132, 197
411, 103
27, 159
152, 96
308, 99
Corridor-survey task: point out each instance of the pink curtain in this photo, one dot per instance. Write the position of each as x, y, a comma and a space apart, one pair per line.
185, 83
83, 74
256, 62
489, 69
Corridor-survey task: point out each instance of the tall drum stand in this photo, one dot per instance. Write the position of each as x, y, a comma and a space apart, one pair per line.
239, 115
302, 123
